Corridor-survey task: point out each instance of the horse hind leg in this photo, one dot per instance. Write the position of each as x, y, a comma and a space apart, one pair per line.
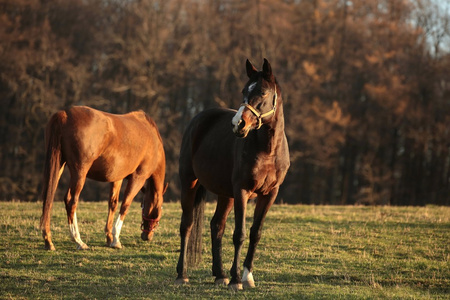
71, 201
218, 222
112, 206
188, 195
45, 219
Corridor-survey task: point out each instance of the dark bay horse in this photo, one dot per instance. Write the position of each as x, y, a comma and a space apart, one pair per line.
249, 159
104, 147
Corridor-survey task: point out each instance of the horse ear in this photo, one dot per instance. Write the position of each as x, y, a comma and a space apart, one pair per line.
250, 68
267, 71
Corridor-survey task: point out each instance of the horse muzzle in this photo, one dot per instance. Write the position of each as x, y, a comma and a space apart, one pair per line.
147, 236
241, 123
148, 226
240, 129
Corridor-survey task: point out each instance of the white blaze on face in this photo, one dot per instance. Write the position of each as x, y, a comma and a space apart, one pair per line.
251, 87
237, 118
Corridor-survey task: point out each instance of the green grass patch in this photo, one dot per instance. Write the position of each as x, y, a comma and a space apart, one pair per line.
306, 252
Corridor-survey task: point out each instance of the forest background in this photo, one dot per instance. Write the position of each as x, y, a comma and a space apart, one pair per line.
366, 85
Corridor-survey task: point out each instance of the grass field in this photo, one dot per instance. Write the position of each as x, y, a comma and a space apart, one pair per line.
306, 252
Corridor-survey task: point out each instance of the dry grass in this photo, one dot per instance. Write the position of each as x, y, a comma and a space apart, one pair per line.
325, 252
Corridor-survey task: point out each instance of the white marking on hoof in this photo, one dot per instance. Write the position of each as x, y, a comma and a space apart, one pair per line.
75, 234
248, 284
235, 287
247, 279
115, 233
49, 246
116, 245
221, 281
82, 247
181, 281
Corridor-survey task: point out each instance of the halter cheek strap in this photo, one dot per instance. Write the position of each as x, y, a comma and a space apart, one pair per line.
258, 114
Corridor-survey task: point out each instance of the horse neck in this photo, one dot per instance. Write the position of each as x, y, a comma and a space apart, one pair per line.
270, 135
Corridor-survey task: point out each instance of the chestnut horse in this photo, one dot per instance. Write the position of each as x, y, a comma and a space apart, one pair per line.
249, 159
104, 147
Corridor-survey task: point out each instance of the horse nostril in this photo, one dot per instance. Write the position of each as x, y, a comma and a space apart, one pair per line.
241, 124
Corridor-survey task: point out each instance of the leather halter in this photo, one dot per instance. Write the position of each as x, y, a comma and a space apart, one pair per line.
258, 114
152, 224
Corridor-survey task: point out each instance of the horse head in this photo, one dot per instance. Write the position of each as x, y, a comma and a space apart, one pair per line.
151, 211
260, 100
148, 226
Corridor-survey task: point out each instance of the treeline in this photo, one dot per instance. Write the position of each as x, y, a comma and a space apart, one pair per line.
366, 85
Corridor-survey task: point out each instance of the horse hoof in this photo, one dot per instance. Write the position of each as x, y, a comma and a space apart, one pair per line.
248, 284
221, 281
117, 245
49, 247
82, 247
181, 281
235, 287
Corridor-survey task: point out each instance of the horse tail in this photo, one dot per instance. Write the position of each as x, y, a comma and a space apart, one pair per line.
194, 251
52, 166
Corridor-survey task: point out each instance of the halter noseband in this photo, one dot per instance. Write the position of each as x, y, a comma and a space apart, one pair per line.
258, 114
152, 224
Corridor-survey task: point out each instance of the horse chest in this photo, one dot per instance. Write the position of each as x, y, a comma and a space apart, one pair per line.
268, 172
264, 175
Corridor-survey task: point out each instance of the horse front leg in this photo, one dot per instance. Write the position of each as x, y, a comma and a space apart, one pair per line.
71, 201
218, 222
263, 203
240, 207
134, 185
112, 206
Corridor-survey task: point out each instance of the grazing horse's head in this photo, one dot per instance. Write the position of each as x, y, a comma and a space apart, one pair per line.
151, 210
148, 226
260, 100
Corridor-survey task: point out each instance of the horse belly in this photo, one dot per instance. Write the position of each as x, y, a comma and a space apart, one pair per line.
111, 168
215, 180
108, 171
213, 168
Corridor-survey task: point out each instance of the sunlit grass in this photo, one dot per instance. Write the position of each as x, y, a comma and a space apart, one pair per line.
310, 252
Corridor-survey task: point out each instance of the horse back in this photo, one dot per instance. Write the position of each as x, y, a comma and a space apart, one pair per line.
110, 146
